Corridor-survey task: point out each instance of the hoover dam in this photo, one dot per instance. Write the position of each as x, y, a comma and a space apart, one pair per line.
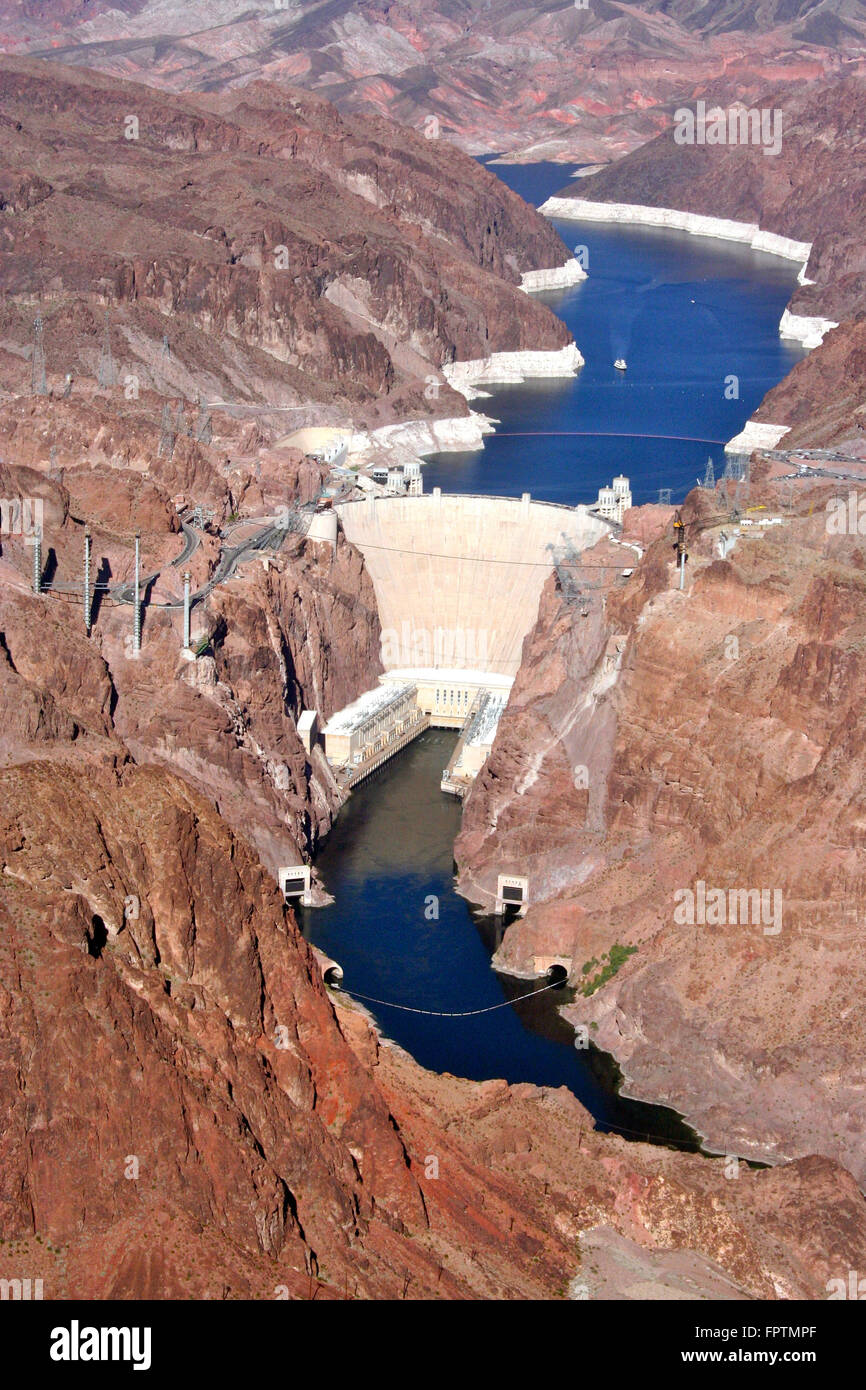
457, 581
458, 578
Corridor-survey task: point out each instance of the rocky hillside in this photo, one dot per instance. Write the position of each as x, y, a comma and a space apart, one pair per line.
185, 1116
257, 251
710, 736
239, 267
543, 78
185, 1108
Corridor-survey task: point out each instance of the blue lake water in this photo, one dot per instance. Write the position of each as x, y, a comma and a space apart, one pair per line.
686, 313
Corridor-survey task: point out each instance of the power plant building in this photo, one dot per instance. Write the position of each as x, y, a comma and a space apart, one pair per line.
376, 719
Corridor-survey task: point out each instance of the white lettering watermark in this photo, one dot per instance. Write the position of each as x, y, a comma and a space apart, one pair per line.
739, 125
717, 907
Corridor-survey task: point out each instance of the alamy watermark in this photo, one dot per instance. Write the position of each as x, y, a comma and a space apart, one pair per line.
846, 516
446, 647
719, 907
20, 1290
739, 125
77, 1343
853, 1288
21, 516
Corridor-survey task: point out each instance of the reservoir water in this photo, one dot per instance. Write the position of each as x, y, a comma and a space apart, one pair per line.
686, 313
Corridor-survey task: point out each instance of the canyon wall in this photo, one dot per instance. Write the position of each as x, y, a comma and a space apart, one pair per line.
811, 191
185, 1115
258, 253
542, 80
707, 736
187, 1111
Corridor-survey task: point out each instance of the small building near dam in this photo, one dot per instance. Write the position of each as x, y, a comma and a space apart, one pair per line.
475, 742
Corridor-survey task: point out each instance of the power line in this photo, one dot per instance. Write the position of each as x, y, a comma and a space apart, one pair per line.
462, 1013
487, 559
605, 1124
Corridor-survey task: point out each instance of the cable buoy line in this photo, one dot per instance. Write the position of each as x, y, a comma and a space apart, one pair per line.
604, 434
449, 1013
471, 1013
488, 559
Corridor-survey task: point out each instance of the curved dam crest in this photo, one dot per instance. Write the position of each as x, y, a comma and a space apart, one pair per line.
458, 578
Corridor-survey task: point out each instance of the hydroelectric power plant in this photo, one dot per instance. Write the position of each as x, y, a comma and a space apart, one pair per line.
389, 855
458, 581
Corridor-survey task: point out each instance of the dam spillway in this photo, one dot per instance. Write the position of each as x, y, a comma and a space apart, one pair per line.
458, 578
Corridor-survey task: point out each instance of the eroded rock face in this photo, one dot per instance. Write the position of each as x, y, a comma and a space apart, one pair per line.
545, 80
227, 722
293, 260
175, 1080
184, 1115
812, 190
724, 750
185, 1110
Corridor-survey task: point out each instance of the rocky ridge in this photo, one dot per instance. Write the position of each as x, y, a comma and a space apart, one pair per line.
710, 736
811, 191
542, 80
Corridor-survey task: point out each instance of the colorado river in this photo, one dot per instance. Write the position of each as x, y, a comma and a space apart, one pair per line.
402, 934
688, 314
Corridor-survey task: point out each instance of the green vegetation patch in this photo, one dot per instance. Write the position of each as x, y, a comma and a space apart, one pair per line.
610, 963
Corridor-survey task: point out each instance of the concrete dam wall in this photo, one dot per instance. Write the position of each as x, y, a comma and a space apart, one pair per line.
458, 579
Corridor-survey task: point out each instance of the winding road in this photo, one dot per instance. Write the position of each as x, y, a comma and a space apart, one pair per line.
270, 534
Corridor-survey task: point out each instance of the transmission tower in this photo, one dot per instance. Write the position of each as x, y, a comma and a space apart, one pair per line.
38, 381
566, 561
166, 438
204, 430
664, 497
680, 547
164, 361
180, 425
106, 374
710, 476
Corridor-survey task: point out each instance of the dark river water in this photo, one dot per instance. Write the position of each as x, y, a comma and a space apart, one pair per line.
685, 313
402, 935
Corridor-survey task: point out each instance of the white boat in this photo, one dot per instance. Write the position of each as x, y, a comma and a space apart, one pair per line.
620, 364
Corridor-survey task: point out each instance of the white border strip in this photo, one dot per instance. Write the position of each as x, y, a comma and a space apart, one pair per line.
806, 330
